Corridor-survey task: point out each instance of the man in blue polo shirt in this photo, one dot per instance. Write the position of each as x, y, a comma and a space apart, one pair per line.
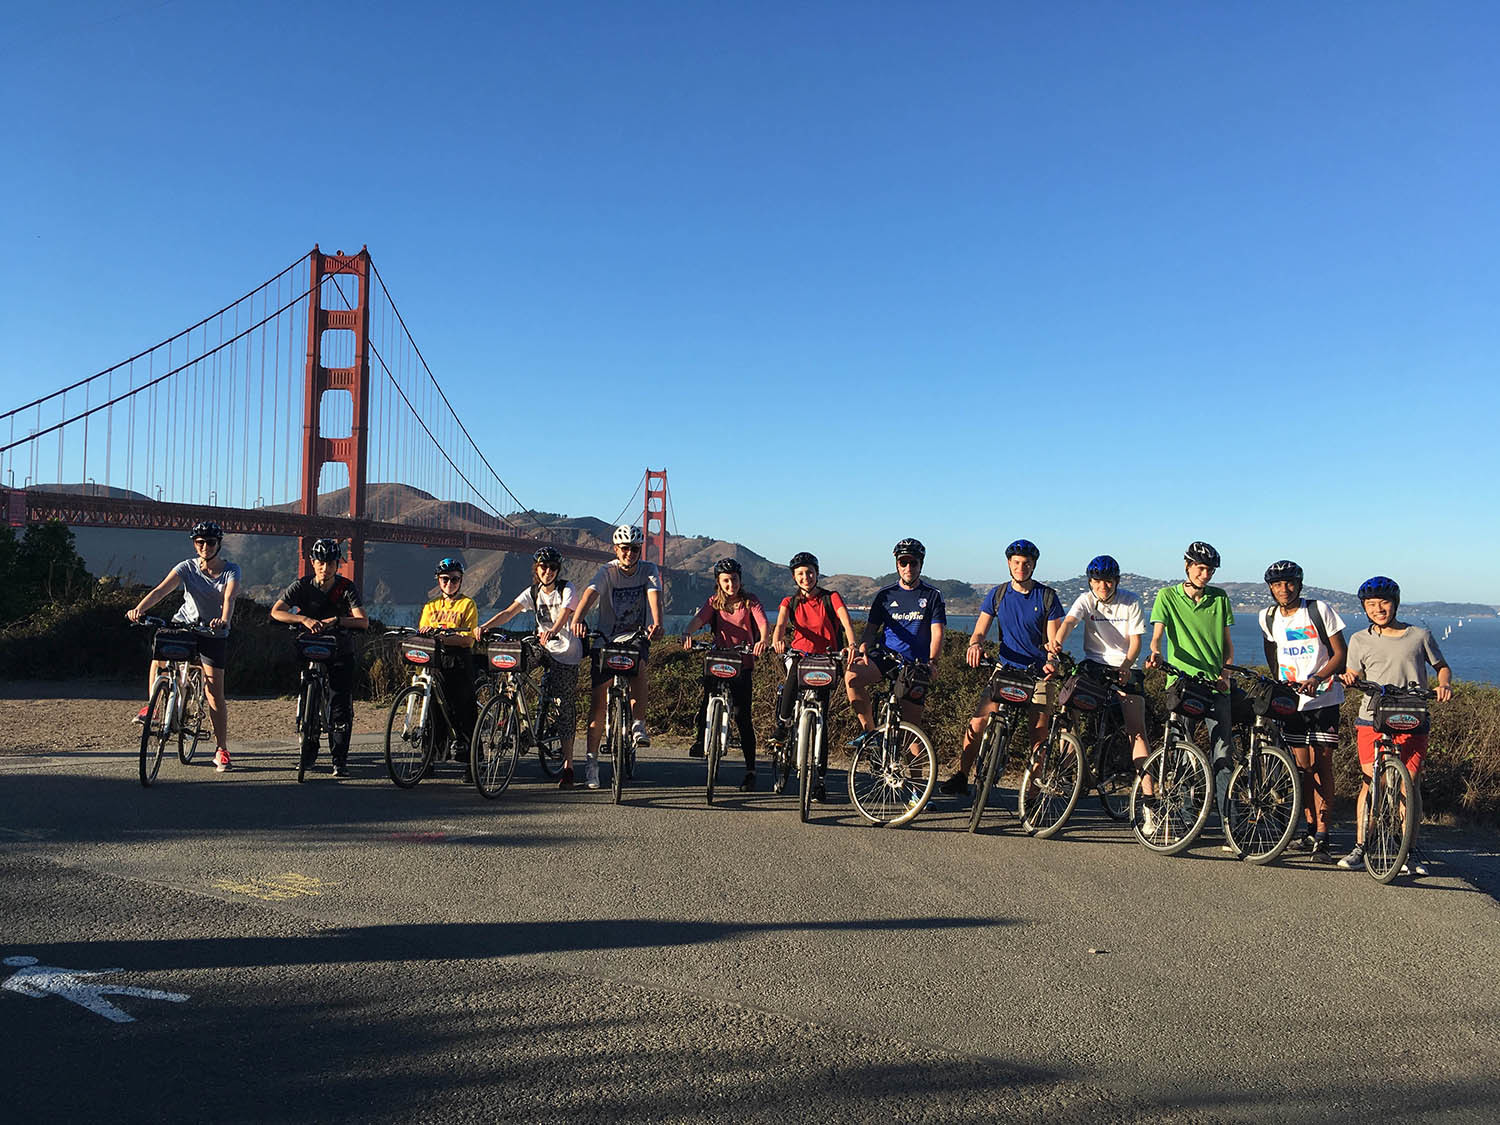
1030, 617
907, 619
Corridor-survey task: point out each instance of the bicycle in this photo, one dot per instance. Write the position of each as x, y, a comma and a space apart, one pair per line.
1392, 807
724, 666
809, 752
1169, 819
1012, 689
543, 704
410, 738
624, 660
505, 729
894, 768
1264, 801
314, 696
178, 699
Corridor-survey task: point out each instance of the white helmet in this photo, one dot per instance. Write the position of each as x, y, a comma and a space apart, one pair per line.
628, 533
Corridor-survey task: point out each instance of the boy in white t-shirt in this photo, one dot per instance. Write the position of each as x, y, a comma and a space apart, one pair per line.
553, 601
1113, 625
1304, 643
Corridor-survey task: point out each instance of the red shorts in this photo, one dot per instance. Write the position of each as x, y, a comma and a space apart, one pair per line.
1411, 747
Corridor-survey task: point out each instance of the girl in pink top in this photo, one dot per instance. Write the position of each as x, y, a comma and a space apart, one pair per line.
737, 619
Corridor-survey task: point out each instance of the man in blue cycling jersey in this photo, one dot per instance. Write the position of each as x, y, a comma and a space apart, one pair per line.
907, 619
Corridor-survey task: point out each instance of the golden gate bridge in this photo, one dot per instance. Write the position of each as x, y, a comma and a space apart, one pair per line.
204, 425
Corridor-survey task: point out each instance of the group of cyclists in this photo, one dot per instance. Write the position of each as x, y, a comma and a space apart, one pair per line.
1189, 635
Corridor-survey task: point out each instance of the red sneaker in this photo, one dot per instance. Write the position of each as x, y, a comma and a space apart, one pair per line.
221, 759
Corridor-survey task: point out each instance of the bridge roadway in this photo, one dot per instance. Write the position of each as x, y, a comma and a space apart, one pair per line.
354, 952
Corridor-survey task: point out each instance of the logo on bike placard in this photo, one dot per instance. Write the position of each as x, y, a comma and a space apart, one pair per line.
817, 678
416, 656
724, 671
619, 662
504, 660
1012, 694
1404, 720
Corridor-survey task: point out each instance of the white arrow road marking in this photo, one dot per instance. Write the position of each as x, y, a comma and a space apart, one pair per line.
38, 981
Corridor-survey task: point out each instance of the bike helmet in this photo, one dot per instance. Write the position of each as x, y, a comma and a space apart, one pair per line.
1202, 553
326, 550
1103, 566
547, 556
627, 534
726, 566
803, 558
207, 530
1023, 547
1283, 571
449, 566
1380, 587
912, 547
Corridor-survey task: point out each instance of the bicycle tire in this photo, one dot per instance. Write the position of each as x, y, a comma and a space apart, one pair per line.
190, 725
496, 747
889, 784
409, 742
1264, 804
1055, 768
989, 768
544, 710
807, 766
619, 738
1391, 810
311, 705
1115, 773
715, 733
156, 730
1184, 792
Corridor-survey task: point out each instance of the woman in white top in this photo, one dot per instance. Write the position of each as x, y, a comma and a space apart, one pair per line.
209, 585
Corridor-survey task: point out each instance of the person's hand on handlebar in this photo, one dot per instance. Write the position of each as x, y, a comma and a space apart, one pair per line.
687, 643
1155, 661
1444, 693
973, 654
656, 632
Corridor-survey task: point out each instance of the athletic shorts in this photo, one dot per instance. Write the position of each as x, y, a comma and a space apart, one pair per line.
1411, 747
213, 651
1317, 727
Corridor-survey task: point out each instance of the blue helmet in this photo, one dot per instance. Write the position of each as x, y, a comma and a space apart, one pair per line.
1380, 587
1023, 547
1103, 566
449, 565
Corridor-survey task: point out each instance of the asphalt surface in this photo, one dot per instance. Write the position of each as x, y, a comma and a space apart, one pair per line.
355, 952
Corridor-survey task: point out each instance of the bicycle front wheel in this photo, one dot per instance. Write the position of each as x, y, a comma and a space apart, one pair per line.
156, 731
1391, 811
190, 728
496, 746
891, 777
807, 734
619, 741
1051, 784
1169, 819
1264, 804
311, 710
545, 710
989, 767
715, 731
409, 741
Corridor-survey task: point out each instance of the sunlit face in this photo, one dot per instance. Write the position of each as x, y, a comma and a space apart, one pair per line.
206, 548
1380, 611
628, 554
323, 570
546, 573
806, 578
1104, 588
729, 584
1286, 592
450, 584
1021, 567
1199, 575
908, 569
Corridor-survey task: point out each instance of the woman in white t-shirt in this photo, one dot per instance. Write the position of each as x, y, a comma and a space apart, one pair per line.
1113, 626
553, 602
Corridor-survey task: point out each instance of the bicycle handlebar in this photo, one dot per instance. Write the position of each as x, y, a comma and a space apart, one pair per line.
1415, 691
160, 623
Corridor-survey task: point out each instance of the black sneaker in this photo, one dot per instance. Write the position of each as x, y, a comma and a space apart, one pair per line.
820, 794
1319, 849
696, 750
566, 781
340, 769
748, 785
1309, 844
956, 786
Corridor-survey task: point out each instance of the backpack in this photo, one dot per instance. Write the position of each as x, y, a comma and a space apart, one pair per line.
536, 588
1311, 605
824, 596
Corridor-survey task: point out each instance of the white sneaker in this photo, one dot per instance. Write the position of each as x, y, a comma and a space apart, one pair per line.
591, 773
639, 737
1148, 821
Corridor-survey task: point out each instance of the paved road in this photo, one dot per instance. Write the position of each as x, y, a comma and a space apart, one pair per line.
353, 952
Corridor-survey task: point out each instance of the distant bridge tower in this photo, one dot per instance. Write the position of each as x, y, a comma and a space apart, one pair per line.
654, 518
318, 449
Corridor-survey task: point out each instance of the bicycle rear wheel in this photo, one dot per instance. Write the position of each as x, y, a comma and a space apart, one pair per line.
989, 767
190, 725
892, 776
1391, 811
1051, 785
1115, 773
1264, 804
409, 742
496, 747
546, 713
156, 731
1170, 819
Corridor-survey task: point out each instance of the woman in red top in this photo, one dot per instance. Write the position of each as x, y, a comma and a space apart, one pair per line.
737, 619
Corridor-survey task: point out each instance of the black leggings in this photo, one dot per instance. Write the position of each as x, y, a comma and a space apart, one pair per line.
739, 702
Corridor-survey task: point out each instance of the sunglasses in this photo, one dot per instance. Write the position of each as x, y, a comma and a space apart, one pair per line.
450, 578
546, 566
629, 548
908, 562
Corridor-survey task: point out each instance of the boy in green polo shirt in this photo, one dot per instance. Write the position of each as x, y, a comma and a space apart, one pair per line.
1195, 619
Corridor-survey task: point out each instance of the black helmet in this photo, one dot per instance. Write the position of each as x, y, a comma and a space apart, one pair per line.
1380, 587
1023, 547
207, 529
726, 566
1103, 566
547, 556
326, 550
912, 547
1202, 553
803, 558
449, 566
1283, 571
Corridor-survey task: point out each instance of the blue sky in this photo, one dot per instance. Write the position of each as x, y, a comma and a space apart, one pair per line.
1110, 277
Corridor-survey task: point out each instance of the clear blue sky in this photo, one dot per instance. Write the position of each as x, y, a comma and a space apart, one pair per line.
1112, 277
